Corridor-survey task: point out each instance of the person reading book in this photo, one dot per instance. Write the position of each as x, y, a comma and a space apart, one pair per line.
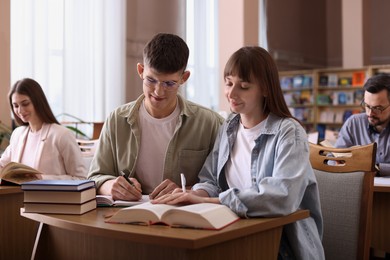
373, 124
159, 135
259, 166
40, 141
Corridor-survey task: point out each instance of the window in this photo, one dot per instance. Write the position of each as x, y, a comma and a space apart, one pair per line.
202, 39
75, 50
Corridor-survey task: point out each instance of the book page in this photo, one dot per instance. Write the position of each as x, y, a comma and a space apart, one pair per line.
202, 215
382, 181
145, 213
106, 200
18, 173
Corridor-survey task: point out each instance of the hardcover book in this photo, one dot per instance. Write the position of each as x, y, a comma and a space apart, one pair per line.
60, 208
44, 196
64, 185
203, 215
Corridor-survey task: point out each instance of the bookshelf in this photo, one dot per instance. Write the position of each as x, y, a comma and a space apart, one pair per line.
299, 92
322, 99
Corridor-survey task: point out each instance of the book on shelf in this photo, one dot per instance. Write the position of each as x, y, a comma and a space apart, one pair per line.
329, 143
306, 97
60, 208
108, 201
345, 81
44, 196
358, 96
358, 78
307, 82
298, 81
286, 83
324, 99
288, 97
57, 185
343, 98
202, 216
15, 173
323, 81
332, 80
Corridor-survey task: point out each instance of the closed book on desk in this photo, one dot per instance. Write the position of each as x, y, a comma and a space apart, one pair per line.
202, 216
56, 185
60, 208
44, 196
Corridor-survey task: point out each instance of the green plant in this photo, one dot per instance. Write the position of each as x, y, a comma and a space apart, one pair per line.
5, 133
73, 124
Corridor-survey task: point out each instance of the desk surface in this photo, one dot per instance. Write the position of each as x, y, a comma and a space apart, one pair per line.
93, 223
16, 233
10, 190
382, 184
381, 214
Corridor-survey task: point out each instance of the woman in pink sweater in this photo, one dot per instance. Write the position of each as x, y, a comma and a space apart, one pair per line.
40, 141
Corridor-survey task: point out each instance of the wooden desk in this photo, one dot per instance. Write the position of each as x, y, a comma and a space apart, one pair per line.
88, 236
17, 234
381, 216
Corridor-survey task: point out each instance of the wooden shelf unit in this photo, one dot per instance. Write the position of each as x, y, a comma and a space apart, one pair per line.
322, 99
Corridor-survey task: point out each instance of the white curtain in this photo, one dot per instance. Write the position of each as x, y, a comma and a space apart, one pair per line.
202, 39
75, 49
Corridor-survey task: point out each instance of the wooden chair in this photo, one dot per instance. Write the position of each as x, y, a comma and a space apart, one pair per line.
88, 148
345, 182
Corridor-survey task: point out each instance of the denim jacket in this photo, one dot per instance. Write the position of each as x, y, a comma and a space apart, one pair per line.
192, 141
283, 181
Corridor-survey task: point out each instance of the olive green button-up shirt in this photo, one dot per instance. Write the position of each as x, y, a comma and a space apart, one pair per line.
119, 143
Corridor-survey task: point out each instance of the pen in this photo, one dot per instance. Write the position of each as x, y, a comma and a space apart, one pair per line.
123, 173
183, 182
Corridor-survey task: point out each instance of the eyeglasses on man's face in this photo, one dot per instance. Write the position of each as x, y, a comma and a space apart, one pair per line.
167, 85
374, 109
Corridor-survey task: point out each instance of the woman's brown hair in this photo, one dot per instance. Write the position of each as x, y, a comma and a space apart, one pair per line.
255, 63
33, 90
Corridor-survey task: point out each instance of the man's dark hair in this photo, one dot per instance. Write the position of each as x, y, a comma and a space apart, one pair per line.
378, 83
166, 53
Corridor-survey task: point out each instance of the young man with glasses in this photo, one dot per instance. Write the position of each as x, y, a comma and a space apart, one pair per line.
373, 125
158, 136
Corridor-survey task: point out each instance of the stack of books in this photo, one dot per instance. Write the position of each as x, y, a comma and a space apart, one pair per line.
59, 196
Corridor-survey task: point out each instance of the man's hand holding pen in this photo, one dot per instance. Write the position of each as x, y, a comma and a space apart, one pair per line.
125, 188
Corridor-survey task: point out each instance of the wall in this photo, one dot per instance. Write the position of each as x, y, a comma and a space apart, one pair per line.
302, 34
377, 34
238, 26
145, 18
5, 77
297, 33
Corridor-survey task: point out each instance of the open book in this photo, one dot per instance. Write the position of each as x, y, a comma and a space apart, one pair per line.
108, 201
327, 143
17, 173
203, 215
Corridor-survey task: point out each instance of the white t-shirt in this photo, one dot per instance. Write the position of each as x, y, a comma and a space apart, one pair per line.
32, 146
238, 168
156, 133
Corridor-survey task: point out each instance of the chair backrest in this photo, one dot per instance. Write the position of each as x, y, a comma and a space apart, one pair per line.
88, 148
345, 179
